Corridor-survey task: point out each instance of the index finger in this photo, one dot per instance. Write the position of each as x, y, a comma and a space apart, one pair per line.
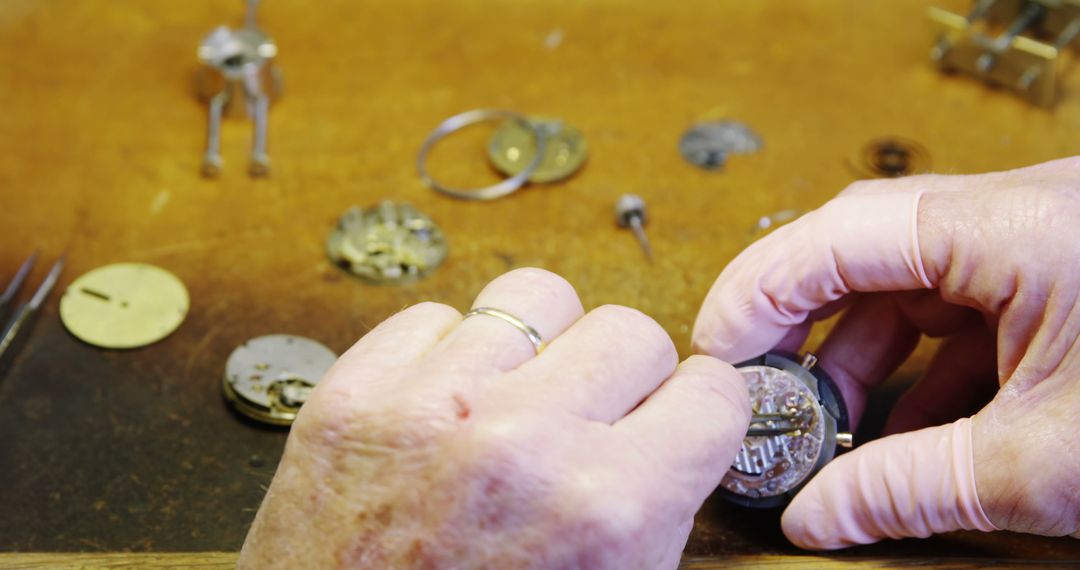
856, 242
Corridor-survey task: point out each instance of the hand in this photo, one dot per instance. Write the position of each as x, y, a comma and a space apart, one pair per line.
436, 442
991, 262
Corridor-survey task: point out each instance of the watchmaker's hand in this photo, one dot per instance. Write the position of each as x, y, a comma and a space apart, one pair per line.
971, 258
440, 442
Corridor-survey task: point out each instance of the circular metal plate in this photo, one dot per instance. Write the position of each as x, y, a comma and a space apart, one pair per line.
707, 145
390, 243
124, 305
268, 378
513, 147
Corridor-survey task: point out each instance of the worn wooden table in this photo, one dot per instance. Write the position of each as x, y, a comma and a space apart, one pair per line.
100, 143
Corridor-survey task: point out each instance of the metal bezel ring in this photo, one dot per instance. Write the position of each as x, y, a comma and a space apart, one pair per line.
462, 120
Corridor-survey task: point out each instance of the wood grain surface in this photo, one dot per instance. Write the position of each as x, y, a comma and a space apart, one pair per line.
101, 138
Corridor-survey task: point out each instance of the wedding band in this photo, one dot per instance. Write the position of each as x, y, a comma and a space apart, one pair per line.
530, 333
462, 120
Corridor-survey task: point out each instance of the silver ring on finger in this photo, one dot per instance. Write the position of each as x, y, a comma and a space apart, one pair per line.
530, 333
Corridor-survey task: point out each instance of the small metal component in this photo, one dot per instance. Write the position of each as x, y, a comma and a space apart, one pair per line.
23, 317
513, 147
999, 44
1014, 43
845, 440
890, 157
269, 378
707, 145
798, 416
630, 213
124, 305
462, 120
788, 422
389, 243
238, 67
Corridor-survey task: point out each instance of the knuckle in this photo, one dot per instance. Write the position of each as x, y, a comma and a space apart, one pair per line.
535, 282
631, 321
433, 310
716, 373
719, 384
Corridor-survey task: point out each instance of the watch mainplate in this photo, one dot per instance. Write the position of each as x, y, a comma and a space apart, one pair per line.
767, 466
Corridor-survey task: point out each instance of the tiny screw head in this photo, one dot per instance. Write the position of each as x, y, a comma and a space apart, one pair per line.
628, 207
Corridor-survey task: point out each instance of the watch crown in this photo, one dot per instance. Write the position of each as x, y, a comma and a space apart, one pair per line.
845, 440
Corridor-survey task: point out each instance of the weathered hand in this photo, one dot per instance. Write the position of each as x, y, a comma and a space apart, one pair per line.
992, 262
438, 442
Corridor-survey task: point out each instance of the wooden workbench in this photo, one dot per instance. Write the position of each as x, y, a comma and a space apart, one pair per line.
101, 139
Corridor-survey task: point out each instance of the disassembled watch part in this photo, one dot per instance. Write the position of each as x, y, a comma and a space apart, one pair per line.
389, 243
124, 305
707, 145
798, 421
238, 75
891, 157
499, 189
630, 213
1014, 44
268, 378
513, 147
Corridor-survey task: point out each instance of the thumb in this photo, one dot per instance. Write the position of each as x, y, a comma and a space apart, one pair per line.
908, 485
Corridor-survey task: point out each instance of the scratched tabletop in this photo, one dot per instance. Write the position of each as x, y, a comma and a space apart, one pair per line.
101, 139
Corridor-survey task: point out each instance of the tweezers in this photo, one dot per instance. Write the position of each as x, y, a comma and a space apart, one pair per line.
23, 315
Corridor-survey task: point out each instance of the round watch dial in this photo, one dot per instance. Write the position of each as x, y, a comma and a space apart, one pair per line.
785, 407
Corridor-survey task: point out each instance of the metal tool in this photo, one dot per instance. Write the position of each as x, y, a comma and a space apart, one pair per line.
238, 67
630, 213
1018, 44
16, 283
788, 422
22, 318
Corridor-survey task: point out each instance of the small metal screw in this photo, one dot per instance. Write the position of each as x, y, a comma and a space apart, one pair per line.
630, 213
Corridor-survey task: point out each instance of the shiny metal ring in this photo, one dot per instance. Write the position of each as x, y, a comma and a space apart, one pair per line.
462, 120
533, 336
